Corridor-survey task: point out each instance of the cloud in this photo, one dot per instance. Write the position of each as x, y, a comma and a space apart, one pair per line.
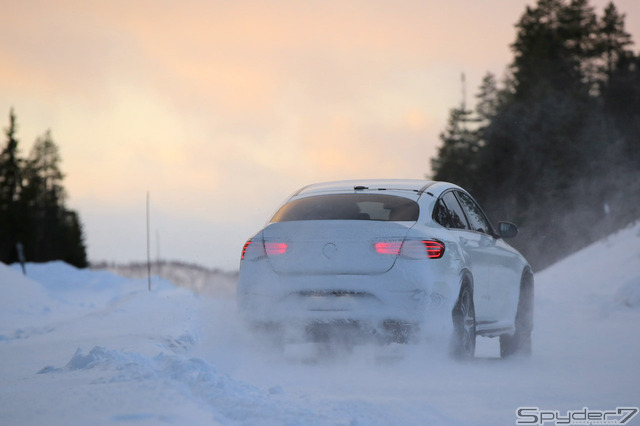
221, 109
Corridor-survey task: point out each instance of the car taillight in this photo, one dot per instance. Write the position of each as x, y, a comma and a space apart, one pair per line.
435, 249
252, 250
244, 249
256, 249
392, 247
275, 248
413, 249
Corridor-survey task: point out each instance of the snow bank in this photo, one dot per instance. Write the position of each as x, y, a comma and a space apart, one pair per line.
21, 298
629, 294
69, 283
91, 347
210, 282
602, 278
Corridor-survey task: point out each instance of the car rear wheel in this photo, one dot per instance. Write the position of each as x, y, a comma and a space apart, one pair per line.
463, 342
520, 342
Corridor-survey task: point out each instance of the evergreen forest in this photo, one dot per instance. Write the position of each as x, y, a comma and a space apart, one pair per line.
554, 145
35, 224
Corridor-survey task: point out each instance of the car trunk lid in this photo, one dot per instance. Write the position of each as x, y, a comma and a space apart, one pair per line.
332, 246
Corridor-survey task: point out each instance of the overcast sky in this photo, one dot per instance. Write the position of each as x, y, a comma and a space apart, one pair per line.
220, 109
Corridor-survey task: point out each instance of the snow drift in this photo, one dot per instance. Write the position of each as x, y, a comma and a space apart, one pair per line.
92, 347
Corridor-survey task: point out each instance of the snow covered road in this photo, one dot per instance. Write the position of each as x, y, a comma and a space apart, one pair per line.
90, 347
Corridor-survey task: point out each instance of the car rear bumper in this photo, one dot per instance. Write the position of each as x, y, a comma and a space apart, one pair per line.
391, 306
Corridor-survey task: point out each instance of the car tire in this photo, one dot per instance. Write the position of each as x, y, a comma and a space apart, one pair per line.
519, 343
463, 341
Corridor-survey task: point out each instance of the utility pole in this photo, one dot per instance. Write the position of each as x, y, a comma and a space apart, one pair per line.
158, 257
148, 247
463, 80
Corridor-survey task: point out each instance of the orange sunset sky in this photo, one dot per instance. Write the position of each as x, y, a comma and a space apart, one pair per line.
222, 108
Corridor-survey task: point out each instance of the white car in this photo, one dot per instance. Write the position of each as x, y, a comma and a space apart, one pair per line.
386, 259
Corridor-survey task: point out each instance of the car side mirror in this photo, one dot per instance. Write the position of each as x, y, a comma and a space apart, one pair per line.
507, 230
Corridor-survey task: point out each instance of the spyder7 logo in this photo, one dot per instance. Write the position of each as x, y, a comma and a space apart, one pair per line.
585, 416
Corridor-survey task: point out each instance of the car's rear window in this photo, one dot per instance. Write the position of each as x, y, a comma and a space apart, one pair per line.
349, 207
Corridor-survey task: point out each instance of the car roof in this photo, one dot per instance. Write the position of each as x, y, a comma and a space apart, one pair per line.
416, 186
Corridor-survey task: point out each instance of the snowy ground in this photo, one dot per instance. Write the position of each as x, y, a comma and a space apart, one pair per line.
84, 347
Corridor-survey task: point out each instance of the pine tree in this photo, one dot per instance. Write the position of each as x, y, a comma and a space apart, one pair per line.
44, 194
455, 159
10, 186
578, 29
10, 165
72, 240
621, 89
43, 166
614, 40
489, 98
539, 52
56, 232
